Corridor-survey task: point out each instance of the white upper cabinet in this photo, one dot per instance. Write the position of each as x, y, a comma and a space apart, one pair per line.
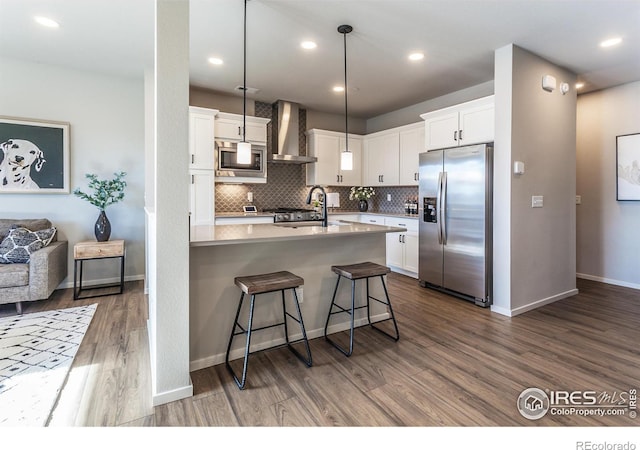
201, 140
229, 127
464, 124
327, 146
382, 159
411, 145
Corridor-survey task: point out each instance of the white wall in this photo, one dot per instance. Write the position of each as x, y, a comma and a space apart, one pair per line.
106, 116
607, 230
538, 128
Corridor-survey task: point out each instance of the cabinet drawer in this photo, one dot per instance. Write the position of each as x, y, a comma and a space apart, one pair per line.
89, 250
409, 223
377, 220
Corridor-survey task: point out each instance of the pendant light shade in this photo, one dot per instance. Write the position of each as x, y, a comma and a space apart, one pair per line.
346, 157
346, 160
243, 151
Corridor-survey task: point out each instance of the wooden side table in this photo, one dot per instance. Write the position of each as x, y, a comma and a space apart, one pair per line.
93, 250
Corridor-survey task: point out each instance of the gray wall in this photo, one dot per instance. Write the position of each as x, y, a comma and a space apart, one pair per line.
411, 114
538, 128
106, 116
607, 230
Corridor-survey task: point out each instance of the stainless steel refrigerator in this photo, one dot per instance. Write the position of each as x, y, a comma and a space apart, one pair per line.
456, 221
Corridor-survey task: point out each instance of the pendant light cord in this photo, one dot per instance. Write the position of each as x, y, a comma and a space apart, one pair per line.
346, 116
244, 80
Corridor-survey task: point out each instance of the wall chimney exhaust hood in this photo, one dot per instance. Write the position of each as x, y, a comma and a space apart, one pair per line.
286, 135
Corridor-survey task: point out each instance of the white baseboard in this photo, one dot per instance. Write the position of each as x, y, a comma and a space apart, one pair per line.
608, 281
173, 395
214, 360
533, 305
404, 272
89, 283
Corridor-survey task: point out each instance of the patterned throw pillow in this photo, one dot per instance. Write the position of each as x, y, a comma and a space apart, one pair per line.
20, 243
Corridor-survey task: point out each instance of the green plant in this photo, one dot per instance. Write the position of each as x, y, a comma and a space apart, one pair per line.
361, 193
105, 192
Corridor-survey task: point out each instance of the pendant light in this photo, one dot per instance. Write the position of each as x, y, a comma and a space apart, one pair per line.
346, 157
243, 151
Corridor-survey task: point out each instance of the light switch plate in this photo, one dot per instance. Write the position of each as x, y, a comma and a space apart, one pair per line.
388, 197
537, 201
578, 199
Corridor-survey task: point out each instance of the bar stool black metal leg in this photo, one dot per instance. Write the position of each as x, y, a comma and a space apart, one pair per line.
351, 311
241, 382
392, 318
306, 360
333, 299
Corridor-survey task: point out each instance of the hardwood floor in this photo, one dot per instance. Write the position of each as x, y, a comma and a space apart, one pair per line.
455, 365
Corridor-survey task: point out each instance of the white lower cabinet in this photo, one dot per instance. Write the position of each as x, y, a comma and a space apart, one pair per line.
402, 248
201, 197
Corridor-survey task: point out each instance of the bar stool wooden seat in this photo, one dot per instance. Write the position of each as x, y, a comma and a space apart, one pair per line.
261, 284
353, 272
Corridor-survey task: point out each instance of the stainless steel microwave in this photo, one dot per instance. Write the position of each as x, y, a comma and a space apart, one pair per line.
228, 168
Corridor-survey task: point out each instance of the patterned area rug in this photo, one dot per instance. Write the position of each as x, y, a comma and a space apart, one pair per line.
36, 352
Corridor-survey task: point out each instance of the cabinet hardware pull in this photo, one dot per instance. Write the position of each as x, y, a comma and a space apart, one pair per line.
239, 131
455, 135
192, 156
337, 178
460, 134
402, 224
416, 176
403, 239
400, 238
192, 179
382, 178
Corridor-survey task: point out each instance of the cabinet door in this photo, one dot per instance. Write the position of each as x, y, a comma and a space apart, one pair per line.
394, 249
441, 130
351, 177
383, 160
477, 124
201, 140
326, 148
201, 197
228, 129
256, 132
411, 252
411, 145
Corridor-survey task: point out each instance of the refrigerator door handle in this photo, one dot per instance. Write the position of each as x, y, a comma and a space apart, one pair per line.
443, 211
438, 204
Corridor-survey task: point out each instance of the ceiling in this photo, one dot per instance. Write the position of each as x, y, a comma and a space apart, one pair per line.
457, 37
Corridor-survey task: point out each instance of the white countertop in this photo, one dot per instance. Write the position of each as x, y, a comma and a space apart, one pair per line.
207, 235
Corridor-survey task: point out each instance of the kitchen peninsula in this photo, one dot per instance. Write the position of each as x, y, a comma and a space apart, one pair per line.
219, 253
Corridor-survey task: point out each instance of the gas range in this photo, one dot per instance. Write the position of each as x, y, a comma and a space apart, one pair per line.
294, 214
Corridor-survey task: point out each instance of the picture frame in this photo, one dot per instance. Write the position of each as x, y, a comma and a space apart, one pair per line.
34, 156
628, 167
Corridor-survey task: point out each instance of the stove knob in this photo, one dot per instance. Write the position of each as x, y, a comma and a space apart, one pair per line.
286, 217
278, 217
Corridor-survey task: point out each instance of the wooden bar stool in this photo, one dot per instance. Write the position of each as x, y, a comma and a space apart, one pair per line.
355, 272
261, 284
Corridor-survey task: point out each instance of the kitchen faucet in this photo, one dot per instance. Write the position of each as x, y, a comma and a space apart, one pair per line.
325, 216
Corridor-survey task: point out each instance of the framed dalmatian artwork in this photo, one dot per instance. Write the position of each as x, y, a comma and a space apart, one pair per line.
34, 156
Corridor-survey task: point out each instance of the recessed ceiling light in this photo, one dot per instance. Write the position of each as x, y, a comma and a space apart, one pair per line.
338, 89
611, 42
579, 85
309, 45
46, 22
416, 56
216, 61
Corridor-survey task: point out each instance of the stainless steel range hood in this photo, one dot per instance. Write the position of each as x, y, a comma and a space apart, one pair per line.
286, 136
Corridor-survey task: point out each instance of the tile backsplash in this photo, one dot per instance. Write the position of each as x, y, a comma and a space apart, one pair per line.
286, 184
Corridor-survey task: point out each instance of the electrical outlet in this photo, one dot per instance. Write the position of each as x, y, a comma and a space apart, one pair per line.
250, 196
578, 199
300, 294
388, 197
